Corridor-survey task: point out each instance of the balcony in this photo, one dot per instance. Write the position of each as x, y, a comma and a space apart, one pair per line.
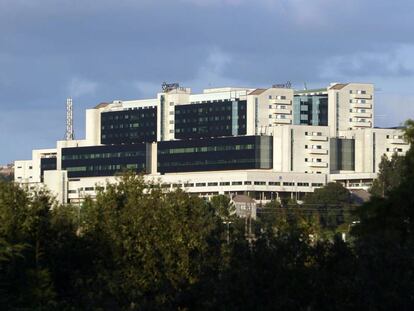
276, 101
317, 164
316, 151
361, 124
316, 137
356, 114
397, 141
282, 121
282, 111
361, 96
361, 105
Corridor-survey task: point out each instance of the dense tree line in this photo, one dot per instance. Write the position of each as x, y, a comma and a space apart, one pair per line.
139, 247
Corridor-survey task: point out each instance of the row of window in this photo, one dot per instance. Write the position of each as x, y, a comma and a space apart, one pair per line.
357, 92
206, 149
128, 134
204, 119
191, 110
313, 133
313, 160
97, 188
105, 155
111, 117
277, 97
239, 183
103, 167
127, 125
395, 136
205, 162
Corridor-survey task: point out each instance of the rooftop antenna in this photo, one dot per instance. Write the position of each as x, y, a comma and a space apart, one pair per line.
69, 119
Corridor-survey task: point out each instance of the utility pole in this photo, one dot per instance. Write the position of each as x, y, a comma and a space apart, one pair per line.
248, 225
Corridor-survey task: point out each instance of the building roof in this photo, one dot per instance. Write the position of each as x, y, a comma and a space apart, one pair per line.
257, 91
311, 91
360, 196
101, 105
241, 198
338, 86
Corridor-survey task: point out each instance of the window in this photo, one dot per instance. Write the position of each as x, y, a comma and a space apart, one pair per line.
303, 184
212, 184
260, 183
274, 183
89, 188
224, 183
30, 167
247, 182
288, 184
317, 184
200, 184
237, 183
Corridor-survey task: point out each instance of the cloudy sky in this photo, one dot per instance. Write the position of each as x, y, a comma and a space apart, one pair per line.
103, 50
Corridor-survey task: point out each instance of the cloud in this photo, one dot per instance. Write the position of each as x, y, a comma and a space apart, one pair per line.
79, 87
125, 49
369, 64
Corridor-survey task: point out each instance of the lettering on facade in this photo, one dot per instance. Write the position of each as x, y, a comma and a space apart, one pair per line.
286, 85
166, 87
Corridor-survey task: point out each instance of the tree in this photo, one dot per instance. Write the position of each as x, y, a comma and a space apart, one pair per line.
385, 241
389, 176
161, 245
331, 194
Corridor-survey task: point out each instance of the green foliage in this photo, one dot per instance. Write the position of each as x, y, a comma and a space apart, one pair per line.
140, 247
331, 194
389, 176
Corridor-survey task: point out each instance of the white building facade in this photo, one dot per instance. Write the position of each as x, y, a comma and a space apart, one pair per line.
266, 143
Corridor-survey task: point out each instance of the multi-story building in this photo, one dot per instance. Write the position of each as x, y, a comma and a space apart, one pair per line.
266, 143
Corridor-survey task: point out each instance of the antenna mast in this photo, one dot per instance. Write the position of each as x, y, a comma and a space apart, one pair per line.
69, 120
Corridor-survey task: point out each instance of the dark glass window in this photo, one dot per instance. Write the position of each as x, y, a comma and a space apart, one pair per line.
47, 164
342, 154
129, 126
209, 154
211, 119
103, 160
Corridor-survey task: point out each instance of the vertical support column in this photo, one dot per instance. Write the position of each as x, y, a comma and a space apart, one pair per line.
151, 158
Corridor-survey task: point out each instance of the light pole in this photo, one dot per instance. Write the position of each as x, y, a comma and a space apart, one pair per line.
228, 230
